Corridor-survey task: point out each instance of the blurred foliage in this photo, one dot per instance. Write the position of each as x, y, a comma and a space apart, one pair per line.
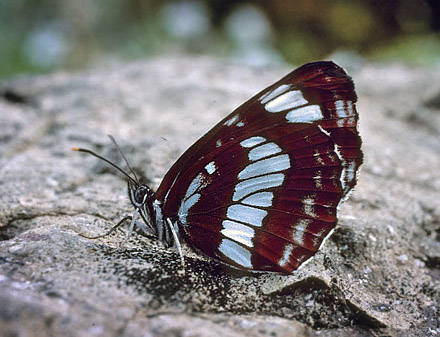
45, 35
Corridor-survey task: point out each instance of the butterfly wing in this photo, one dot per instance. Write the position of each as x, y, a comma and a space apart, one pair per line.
261, 189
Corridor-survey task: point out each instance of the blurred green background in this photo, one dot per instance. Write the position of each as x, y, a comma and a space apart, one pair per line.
45, 35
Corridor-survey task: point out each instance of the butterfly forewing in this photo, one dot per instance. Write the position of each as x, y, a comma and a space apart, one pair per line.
260, 191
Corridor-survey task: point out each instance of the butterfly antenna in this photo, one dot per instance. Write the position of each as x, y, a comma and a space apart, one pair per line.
107, 161
123, 156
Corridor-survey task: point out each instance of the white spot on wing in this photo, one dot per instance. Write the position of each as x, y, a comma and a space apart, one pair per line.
324, 131
210, 168
288, 249
318, 179
265, 166
274, 93
218, 143
240, 124
238, 232
306, 114
186, 205
298, 232
343, 176
195, 184
262, 199
263, 151
286, 101
340, 109
308, 206
250, 215
231, 120
319, 160
236, 253
252, 141
351, 170
350, 108
338, 153
316, 241
253, 185
344, 109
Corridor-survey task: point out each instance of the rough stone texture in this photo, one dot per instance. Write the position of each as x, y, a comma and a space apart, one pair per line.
379, 274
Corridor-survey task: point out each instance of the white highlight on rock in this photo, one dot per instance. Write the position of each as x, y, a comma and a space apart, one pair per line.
236, 253
210, 167
265, 166
251, 215
306, 114
274, 93
238, 232
252, 141
286, 101
262, 199
284, 260
263, 151
253, 185
231, 120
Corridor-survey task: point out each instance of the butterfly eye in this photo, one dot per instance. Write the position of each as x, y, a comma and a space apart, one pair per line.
138, 193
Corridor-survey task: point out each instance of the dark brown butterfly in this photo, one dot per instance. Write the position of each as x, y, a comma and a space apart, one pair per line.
260, 191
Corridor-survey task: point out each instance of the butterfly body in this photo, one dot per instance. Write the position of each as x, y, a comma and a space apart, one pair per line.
260, 191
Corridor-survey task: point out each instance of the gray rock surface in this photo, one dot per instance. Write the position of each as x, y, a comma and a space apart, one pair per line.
379, 274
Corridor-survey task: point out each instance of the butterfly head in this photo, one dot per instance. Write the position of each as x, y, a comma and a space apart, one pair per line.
139, 194
142, 198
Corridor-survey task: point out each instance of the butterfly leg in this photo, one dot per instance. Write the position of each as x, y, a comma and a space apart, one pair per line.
114, 227
174, 230
144, 229
131, 228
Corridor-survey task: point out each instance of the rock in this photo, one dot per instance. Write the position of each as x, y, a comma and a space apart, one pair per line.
378, 274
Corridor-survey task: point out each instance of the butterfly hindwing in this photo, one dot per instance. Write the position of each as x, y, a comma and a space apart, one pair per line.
275, 195
261, 189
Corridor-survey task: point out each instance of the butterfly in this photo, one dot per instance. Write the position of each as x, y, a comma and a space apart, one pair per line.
260, 191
